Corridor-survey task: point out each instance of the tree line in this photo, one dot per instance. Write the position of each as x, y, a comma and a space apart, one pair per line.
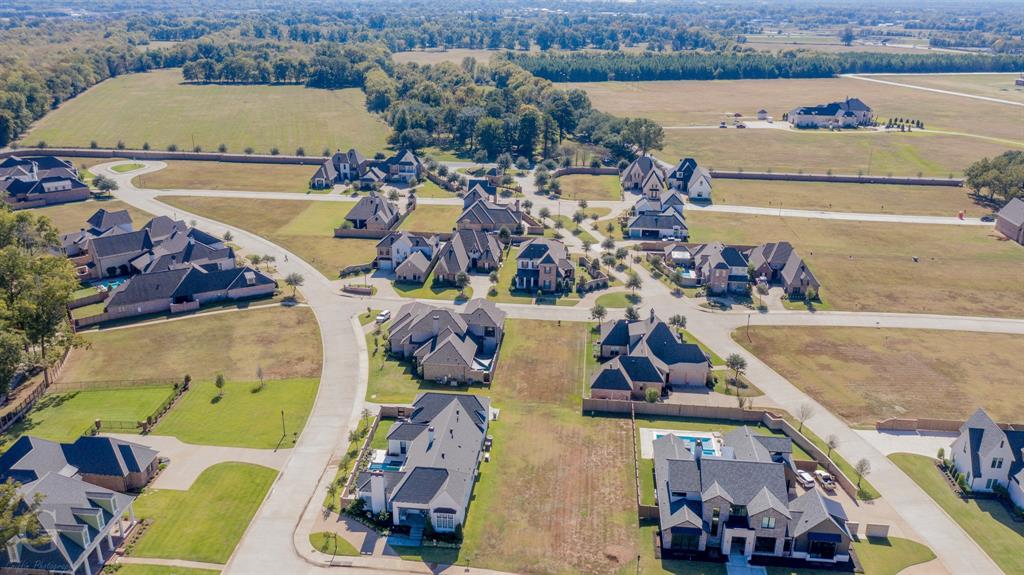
1000, 178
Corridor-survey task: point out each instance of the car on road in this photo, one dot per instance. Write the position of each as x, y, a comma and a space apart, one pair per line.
383, 316
804, 479
988, 218
722, 125
826, 480
741, 126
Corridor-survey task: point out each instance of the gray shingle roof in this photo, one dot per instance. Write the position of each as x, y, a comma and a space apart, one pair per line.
1013, 212
811, 509
138, 241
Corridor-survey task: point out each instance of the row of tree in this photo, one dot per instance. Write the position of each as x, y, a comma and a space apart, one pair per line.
330, 66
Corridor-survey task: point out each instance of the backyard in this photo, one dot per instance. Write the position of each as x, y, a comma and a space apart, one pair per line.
393, 381
187, 175
207, 521
868, 374
986, 521
590, 188
71, 217
431, 218
306, 228
239, 116
868, 266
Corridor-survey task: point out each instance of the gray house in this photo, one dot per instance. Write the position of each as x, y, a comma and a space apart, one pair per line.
373, 212
185, 289
1010, 220
468, 251
989, 456
35, 182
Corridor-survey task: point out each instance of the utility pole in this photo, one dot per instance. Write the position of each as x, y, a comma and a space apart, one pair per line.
283, 432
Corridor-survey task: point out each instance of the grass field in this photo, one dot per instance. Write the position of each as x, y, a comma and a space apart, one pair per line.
261, 117
304, 228
590, 188
65, 416
285, 342
71, 217
140, 569
887, 556
427, 290
429, 189
393, 381
186, 175
207, 521
122, 168
867, 266
986, 521
332, 544
427, 218
618, 299
454, 55
242, 417
989, 85
867, 374
866, 198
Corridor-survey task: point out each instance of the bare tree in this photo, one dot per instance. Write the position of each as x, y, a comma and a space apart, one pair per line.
803, 413
832, 442
863, 467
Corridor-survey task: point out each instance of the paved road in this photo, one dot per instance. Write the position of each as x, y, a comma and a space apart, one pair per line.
935, 90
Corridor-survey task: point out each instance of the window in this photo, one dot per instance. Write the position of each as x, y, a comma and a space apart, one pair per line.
445, 521
991, 483
997, 463
767, 522
715, 514
738, 511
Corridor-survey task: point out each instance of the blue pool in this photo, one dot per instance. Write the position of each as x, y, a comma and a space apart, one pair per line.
108, 283
385, 467
707, 443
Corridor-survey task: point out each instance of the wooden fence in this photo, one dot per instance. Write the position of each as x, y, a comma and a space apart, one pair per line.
934, 425
166, 155
12, 415
837, 178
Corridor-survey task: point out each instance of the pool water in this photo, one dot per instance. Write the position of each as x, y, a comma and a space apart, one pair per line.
691, 441
384, 467
109, 284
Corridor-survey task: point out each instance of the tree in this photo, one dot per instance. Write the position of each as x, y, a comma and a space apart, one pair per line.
504, 162
631, 313
803, 413
461, 281
651, 395
19, 517
577, 217
295, 280
832, 442
737, 363
104, 184
608, 244
644, 135
598, 312
586, 245
267, 260
862, 467
677, 321
228, 236
219, 382
544, 213
634, 282
11, 345
846, 36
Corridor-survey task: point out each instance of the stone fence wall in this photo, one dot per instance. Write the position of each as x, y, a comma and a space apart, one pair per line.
585, 170
838, 178
165, 155
936, 425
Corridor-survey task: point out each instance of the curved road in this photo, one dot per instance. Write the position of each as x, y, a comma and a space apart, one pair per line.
269, 545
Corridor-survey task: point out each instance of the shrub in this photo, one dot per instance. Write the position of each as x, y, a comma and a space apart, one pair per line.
274, 151
93, 144
145, 145
249, 151
41, 144
120, 144
300, 151
651, 395
197, 149
222, 148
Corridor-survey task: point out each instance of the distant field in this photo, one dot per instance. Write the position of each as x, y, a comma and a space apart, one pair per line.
187, 175
870, 198
156, 107
590, 188
868, 266
991, 85
454, 55
71, 217
304, 228
867, 374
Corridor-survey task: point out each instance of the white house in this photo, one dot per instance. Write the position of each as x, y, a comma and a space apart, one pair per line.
691, 179
988, 455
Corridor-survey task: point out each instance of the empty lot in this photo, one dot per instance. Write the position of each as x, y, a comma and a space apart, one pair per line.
186, 175
989, 85
71, 217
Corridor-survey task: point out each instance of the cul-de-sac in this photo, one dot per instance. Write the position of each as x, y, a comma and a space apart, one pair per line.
491, 287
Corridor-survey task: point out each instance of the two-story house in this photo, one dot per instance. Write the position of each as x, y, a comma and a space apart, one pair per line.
691, 179
989, 456
722, 269
643, 175
396, 247
544, 265
340, 168
373, 212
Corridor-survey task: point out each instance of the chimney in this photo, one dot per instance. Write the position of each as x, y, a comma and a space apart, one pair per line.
517, 205
377, 502
437, 328
14, 550
430, 436
652, 314
698, 449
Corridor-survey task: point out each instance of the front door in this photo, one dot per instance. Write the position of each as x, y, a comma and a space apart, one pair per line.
739, 546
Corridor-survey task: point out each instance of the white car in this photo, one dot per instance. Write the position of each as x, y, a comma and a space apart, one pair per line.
825, 479
383, 316
805, 479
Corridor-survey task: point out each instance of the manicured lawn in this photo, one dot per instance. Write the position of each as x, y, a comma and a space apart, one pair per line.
380, 437
65, 416
285, 342
616, 231
428, 218
569, 227
368, 316
869, 266
429, 291
122, 168
140, 569
71, 217
587, 187
332, 544
867, 374
242, 417
304, 228
725, 385
206, 522
689, 338
429, 189
393, 381
882, 556
239, 116
88, 310
618, 299
505, 293
188, 175
987, 522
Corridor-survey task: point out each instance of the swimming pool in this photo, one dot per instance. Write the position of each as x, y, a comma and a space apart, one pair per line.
385, 467
707, 441
109, 283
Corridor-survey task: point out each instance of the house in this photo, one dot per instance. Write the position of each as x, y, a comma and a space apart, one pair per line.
112, 255
468, 251
340, 168
797, 278
1010, 220
658, 214
768, 260
486, 216
989, 456
33, 182
678, 364
643, 175
372, 178
739, 502
81, 489
762, 114
447, 345
100, 223
414, 269
404, 167
373, 212
396, 247
544, 265
436, 450
849, 113
689, 178
185, 289
722, 269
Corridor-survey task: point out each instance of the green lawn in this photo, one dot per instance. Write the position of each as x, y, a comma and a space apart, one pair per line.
569, 227
242, 418
122, 168
65, 416
88, 310
877, 556
368, 316
430, 218
429, 189
71, 217
429, 291
139, 569
393, 381
590, 188
986, 521
505, 294
618, 299
332, 544
207, 521
616, 231
238, 116
725, 386
380, 437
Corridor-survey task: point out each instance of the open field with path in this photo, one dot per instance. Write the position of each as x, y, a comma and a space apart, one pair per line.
71, 217
868, 374
158, 108
868, 266
304, 228
187, 175
839, 197
454, 56
989, 85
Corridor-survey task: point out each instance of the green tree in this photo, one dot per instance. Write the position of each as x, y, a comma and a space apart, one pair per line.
631, 313
644, 134
11, 345
20, 517
651, 395
738, 364
677, 321
219, 382
634, 282
295, 280
461, 281
846, 36
598, 312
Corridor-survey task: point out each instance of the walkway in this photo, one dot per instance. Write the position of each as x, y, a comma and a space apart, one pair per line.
170, 563
935, 90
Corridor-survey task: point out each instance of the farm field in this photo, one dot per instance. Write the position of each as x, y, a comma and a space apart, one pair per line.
71, 217
304, 228
990, 85
590, 188
869, 266
841, 197
454, 55
285, 342
187, 175
431, 218
867, 374
207, 521
261, 117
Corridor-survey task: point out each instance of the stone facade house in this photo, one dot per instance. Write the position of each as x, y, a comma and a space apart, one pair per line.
468, 251
33, 182
690, 179
486, 216
373, 212
643, 175
396, 247
340, 168
849, 113
185, 289
544, 265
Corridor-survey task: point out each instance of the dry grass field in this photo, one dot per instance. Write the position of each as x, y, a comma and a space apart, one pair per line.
303, 227
869, 198
156, 107
868, 266
590, 188
990, 85
454, 55
866, 374
71, 217
432, 218
185, 175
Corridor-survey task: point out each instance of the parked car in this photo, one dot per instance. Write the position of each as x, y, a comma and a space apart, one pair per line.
722, 125
988, 218
828, 483
384, 316
804, 479
741, 125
